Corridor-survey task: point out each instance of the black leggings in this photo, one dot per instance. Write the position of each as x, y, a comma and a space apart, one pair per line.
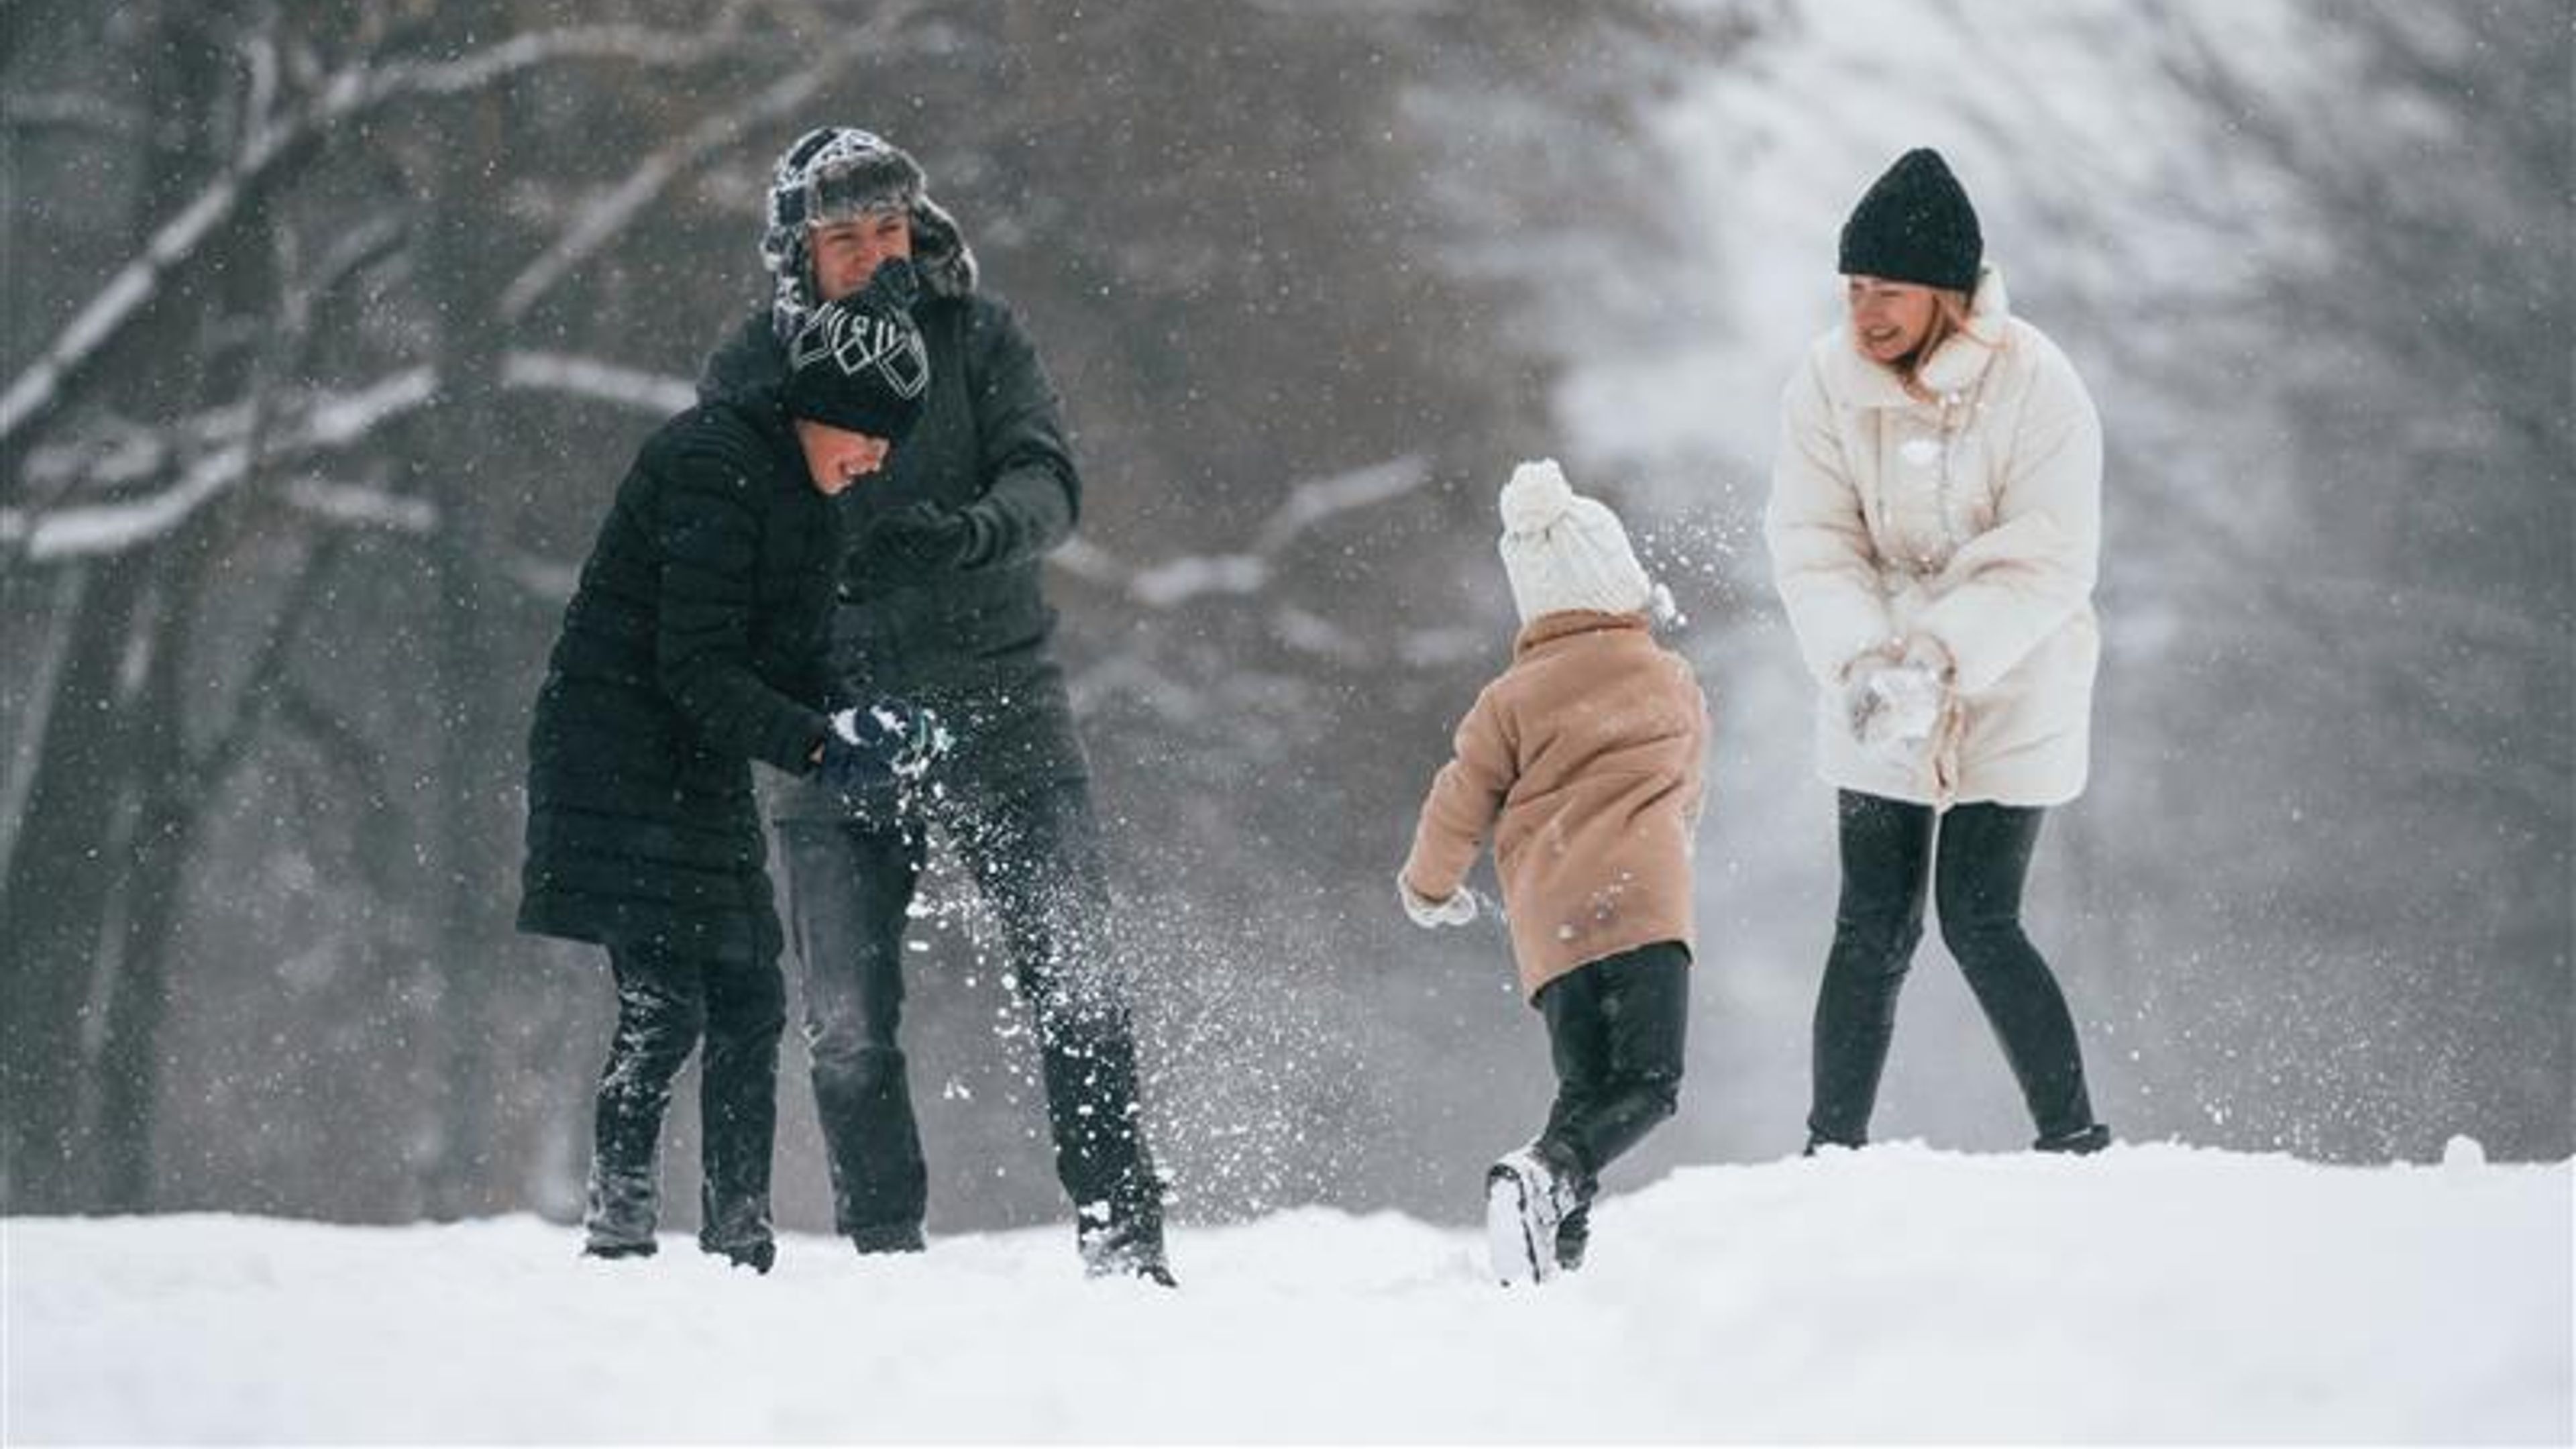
668, 1003
1614, 1031
1976, 874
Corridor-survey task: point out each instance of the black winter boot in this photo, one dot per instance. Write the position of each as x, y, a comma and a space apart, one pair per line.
1128, 1246
892, 1238
618, 1220
1573, 1238
2082, 1142
736, 1225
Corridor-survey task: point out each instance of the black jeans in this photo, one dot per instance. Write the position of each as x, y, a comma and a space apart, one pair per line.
667, 1002
1976, 874
1036, 858
1615, 1031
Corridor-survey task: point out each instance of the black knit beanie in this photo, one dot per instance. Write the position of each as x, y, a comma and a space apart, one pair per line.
859, 363
1915, 225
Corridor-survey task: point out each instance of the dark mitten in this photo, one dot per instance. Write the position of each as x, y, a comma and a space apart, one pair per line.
871, 749
926, 538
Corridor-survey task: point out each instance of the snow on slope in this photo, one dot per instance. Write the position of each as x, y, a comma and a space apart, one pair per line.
2155, 1294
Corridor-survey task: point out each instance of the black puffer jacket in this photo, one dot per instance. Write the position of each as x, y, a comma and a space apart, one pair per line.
690, 648
971, 643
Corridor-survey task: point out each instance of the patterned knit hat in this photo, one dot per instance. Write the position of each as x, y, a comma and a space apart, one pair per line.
859, 363
1563, 551
1915, 225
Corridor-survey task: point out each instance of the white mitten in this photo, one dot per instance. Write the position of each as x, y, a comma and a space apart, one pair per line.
1458, 910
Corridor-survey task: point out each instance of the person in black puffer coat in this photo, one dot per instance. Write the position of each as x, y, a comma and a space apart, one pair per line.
941, 604
692, 647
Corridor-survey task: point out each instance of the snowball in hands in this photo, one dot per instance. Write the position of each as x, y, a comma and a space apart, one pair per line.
902, 743
1894, 708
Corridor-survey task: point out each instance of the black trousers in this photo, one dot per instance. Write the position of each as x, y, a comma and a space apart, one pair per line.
1615, 1030
1975, 872
667, 1003
1036, 858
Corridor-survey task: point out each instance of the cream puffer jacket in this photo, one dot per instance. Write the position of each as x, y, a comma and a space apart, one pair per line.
1971, 520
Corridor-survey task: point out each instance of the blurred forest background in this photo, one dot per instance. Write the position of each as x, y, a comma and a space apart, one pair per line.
330, 328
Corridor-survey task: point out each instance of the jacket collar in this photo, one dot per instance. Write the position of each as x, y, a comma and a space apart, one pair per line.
1565, 623
1859, 382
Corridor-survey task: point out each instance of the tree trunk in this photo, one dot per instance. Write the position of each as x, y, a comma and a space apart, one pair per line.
63, 871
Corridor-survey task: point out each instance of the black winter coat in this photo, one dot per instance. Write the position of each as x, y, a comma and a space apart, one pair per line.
971, 643
691, 647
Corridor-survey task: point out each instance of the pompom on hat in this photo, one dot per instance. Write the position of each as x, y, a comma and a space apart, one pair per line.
1564, 551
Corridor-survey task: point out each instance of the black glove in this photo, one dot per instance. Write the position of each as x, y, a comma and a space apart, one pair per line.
925, 538
871, 749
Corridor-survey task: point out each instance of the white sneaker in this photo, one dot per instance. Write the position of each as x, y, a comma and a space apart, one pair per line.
1525, 1199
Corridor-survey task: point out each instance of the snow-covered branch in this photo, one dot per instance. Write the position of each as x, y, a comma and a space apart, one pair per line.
1176, 581
601, 221
215, 441
360, 505
648, 392
1311, 502
269, 139
324, 422
71, 110
365, 86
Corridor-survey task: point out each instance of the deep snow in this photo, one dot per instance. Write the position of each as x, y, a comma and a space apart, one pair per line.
2156, 1293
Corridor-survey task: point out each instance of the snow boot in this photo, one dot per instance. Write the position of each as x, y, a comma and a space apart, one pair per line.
2082, 1142
737, 1228
890, 1238
1573, 1237
1128, 1249
622, 1209
1527, 1198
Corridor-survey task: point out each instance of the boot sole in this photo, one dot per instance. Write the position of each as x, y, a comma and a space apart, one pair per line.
1511, 1232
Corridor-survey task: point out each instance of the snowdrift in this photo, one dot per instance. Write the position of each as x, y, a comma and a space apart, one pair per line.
2155, 1293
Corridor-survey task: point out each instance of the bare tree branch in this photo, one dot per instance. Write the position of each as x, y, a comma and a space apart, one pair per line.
1176, 581
326, 421
71, 111
346, 95
588, 377
360, 505
600, 222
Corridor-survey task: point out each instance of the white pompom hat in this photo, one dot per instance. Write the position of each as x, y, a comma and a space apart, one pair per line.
1563, 551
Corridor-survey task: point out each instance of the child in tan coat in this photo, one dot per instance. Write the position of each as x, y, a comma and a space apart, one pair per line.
1582, 762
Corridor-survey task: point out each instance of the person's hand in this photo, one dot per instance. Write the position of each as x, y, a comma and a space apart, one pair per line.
1862, 702
1457, 910
924, 538
874, 748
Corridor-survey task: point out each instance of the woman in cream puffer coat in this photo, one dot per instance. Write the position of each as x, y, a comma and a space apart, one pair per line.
1934, 527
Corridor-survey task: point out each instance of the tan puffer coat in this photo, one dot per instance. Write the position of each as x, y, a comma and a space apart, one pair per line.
1584, 762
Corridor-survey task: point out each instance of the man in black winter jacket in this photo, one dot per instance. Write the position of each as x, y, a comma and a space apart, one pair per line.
692, 647
940, 604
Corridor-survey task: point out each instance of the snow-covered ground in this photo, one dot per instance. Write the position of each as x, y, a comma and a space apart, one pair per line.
2156, 1293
